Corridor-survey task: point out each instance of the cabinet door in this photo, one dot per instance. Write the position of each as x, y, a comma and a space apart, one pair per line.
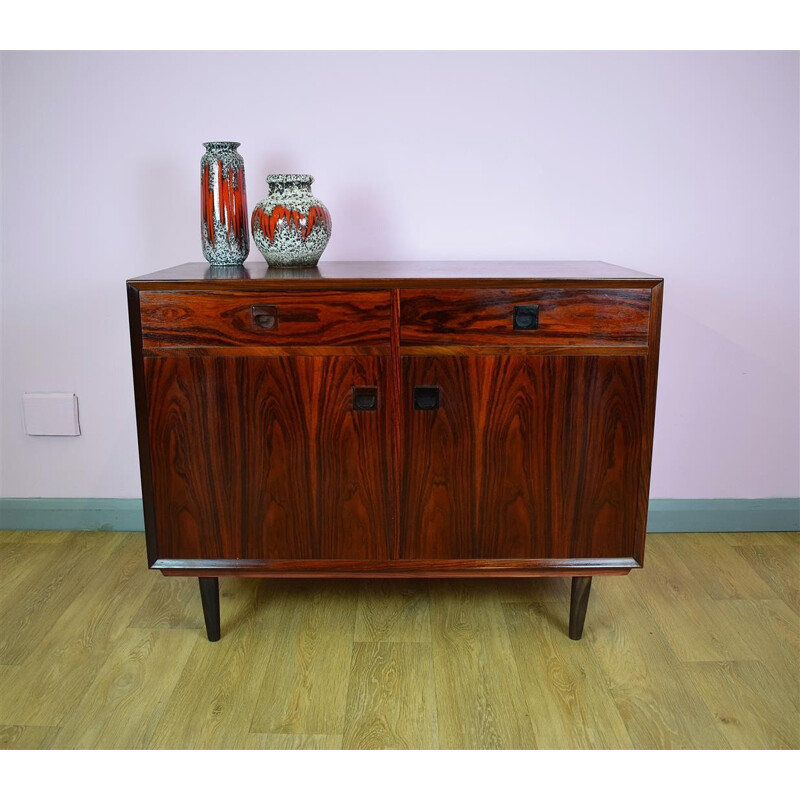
266, 458
525, 457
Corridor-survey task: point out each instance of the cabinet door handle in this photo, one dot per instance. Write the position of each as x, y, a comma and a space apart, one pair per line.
365, 398
526, 318
426, 398
265, 317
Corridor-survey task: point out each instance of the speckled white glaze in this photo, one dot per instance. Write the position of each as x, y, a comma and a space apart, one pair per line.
290, 226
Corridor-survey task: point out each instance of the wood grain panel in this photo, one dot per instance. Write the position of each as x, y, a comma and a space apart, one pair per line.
649, 416
485, 316
220, 318
526, 457
398, 568
261, 351
265, 458
355, 274
439, 463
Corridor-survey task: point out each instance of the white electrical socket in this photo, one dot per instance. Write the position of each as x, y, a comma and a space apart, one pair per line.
51, 414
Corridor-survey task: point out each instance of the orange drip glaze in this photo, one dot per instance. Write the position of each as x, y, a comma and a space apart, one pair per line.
267, 223
231, 199
208, 203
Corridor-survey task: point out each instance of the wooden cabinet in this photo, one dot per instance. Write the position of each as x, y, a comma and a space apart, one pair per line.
396, 419
260, 458
526, 457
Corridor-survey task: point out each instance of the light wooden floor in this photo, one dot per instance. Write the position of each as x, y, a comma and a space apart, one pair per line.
699, 649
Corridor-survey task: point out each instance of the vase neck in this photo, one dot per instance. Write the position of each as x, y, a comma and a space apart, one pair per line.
215, 147
281, 184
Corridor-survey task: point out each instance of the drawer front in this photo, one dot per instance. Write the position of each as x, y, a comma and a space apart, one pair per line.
224, 318
525, 316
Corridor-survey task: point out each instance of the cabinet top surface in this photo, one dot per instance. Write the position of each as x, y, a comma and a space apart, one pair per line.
386, 274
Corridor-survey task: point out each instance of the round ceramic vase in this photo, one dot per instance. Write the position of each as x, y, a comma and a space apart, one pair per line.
290, 226
223, 205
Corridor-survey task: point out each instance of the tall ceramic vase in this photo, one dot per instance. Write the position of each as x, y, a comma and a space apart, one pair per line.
291, 227
223, 205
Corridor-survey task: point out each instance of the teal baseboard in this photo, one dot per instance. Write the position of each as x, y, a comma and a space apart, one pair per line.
71, 514
684, 516
665, 516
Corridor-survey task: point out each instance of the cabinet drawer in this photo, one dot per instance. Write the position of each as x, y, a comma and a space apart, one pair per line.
525, 316
224, 319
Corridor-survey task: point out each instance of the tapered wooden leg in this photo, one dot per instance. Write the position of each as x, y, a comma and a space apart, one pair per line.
209, 594
579, 600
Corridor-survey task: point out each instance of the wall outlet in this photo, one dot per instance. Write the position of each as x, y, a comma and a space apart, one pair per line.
51, 414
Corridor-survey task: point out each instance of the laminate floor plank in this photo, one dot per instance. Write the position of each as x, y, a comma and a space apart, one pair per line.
778, 566
478, 687
697, 627
24, 737
391, 701
39, 537
700, 649
18, 562
393, 611
758, 539
530, 590
171, 603
732, 577
569, 702
660, 709
305, 685
213, 702
124, 703
773, 630
62, 666
748, 705
49, 587
291, 741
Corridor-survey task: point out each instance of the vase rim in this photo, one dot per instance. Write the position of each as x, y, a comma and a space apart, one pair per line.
234, 145
290, 178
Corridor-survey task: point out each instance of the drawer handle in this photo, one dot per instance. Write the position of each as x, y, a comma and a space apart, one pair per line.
365, 398
426, 398
526, 318
265, 317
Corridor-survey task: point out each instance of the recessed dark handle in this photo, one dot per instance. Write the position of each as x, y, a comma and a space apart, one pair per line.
265, 317
526, 318
426, 398
365, 398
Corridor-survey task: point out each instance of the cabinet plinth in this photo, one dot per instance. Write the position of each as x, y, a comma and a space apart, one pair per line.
395, 420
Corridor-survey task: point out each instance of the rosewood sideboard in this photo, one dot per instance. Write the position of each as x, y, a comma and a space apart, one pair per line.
395, 419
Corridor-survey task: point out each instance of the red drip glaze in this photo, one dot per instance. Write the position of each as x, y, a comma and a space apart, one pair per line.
232, 203
207, 209
267, 223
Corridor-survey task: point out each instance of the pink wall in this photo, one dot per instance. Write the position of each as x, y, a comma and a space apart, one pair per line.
681, 164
